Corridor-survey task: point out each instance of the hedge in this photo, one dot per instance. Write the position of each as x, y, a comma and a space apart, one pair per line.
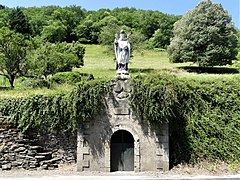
203, 115
55, 113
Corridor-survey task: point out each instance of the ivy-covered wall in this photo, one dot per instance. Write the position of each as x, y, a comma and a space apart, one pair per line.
55, 113
203, 114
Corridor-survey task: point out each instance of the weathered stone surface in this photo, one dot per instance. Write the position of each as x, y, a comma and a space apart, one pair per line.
29, 157
31, 152
23, 141
40, 157
7, 166
38, 148
25, 165
121, 111
14, 146
47, 155
44, 166
17, 163
20, 149
151, 142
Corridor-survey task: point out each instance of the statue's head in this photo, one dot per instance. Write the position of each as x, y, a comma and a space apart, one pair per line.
122, 34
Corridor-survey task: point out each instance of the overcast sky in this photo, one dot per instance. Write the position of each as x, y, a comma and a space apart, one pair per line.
176, 7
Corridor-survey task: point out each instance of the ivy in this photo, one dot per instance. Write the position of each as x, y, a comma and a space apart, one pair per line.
54, 113
203, 115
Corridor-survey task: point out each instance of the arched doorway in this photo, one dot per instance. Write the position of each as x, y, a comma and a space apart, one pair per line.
122, 151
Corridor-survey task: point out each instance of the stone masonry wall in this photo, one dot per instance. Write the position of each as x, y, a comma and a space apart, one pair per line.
151, 141
38, 151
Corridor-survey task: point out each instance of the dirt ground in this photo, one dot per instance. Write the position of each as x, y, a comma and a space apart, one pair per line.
213, 169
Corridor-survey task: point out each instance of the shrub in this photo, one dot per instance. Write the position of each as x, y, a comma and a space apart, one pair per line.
203, 115
33, 82
55, 113
71, 77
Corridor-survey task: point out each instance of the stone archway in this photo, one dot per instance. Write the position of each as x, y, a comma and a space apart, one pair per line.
122, 151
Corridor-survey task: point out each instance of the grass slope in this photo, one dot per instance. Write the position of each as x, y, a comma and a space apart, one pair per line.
100, 62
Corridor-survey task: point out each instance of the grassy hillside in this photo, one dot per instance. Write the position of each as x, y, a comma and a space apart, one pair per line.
100, 62
202, 105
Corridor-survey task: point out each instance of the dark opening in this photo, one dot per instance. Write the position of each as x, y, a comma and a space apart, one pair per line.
122, 151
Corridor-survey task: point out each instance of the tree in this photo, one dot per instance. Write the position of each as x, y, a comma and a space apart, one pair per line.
238, 56
13, 54
4, 17
50, 58
19, 23
205, 35
39, 17
106, 36
161, 37
2, 6
70, 18
87, 31
238, 34
54, 32
150, 22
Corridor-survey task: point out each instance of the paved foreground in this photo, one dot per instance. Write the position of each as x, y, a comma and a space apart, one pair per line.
125, 177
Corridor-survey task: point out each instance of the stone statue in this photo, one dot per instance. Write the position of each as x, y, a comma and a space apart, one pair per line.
122, 53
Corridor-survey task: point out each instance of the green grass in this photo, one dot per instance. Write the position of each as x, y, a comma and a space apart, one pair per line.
100, 62
22, 92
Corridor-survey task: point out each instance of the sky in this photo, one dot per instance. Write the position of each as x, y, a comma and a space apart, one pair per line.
175, 7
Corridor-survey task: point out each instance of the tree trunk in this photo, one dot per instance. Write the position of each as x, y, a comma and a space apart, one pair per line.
11, 80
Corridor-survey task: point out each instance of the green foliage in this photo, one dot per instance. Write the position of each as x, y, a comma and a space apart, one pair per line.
55, 113
238, 35
19, 23
54, 32
154, 98
137, 40
71, 77
205, 35
32, 83
50, 58
13, 54
59, 24
106, 36
161, 37
87, 31
4, 17
203, 115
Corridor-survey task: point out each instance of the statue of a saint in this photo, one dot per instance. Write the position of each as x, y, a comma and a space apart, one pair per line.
122, 53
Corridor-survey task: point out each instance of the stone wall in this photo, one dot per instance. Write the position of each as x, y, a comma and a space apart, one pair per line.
151, 141
45, 151
91, 147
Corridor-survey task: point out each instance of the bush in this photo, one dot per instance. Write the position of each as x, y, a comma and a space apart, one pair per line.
33, 83
203, 115
71, 77
52, 113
